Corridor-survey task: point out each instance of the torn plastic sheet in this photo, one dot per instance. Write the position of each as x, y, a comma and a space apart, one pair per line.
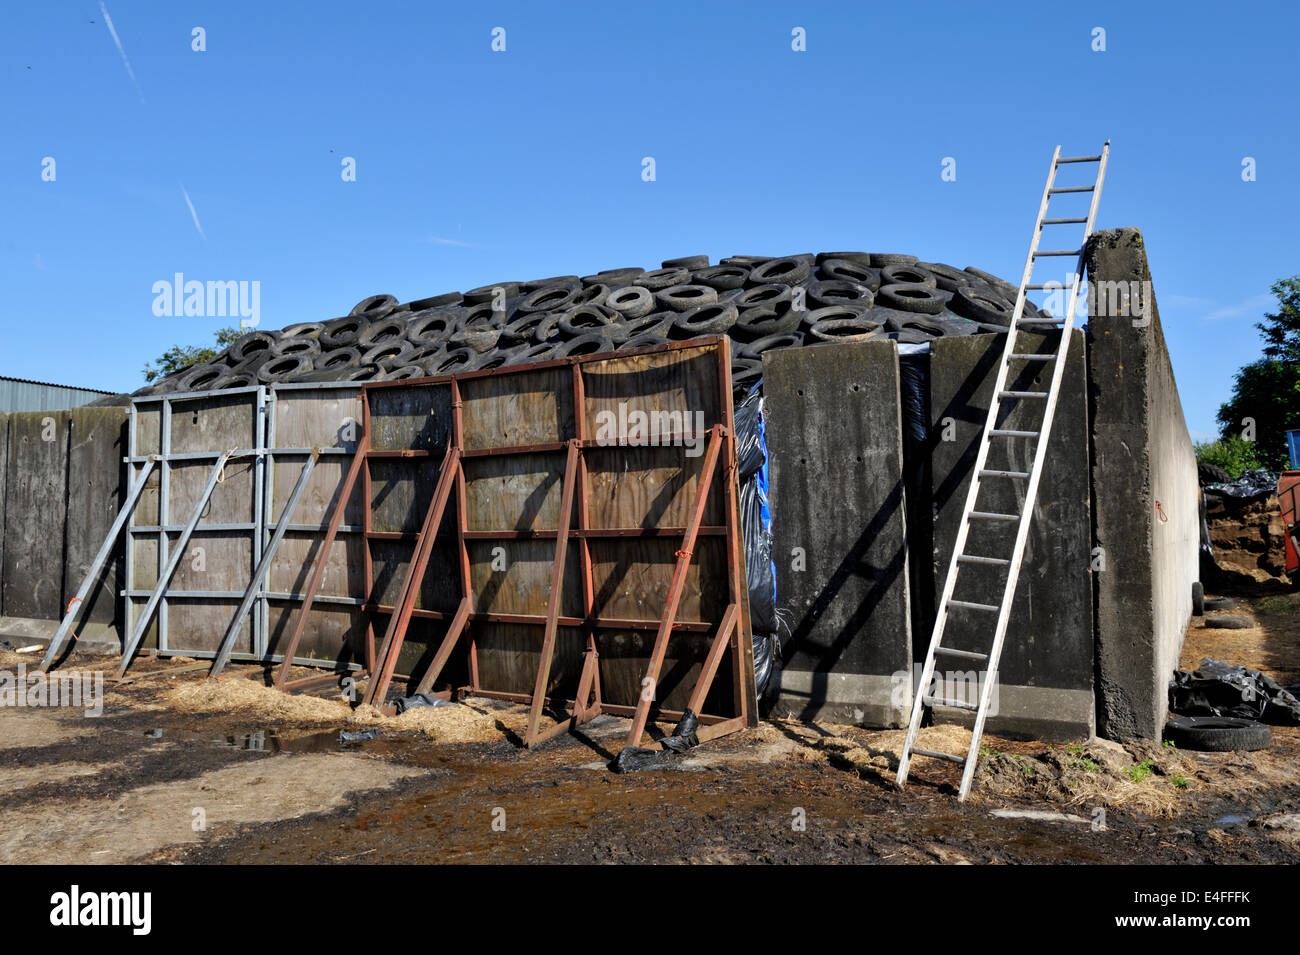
1256, 483
357, 736
1221, 689
419, 700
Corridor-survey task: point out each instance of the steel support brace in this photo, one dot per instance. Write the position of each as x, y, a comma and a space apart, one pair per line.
651, 681
322, 559
386, 657
263, 566
557, 590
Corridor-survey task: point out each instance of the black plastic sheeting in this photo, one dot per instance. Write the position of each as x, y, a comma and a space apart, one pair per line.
768, 624
1220, 689
1257, 483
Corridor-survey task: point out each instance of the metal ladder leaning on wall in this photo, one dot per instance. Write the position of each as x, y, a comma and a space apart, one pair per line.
1010, 358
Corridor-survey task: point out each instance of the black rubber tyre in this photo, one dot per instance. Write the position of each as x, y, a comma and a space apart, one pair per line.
586, 319
823, 294
982, 306
422, 355
721, 277
843, 323
764, 320
201, 377
487, 294
445, 300
250, 365
480, 340
907, 275
661, 279
373, 307
388, 354
538, 351
591, 295
309, 347
689, 262
924, 299
842, 270
337, 358
769, 296
433, 328
1198, 599
880, 259
522, 329
282, 368
250, 345
748, 261
745, 374
233, 380
381, 332
861, 258
945, 276
1220, 603
712, 319
1217, 734
585, 345
902, 322
756, 348
552, 298
403, 372
683, 298
453, 360
788, 271
1229, 623
341, 332
614, 278
535, 284
303, 330
1212, 474
656, 324
548, 329
631, 302
999, 285
642, 341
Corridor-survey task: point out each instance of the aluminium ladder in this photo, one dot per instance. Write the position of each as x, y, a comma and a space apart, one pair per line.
970, 512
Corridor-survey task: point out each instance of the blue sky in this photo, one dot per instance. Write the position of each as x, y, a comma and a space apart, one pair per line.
474, 166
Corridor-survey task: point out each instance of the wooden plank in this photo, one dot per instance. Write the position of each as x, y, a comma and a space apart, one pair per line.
36, 515
519, 408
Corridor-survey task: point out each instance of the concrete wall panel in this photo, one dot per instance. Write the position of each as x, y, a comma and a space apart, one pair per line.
1145, 494
35, 515
834, 442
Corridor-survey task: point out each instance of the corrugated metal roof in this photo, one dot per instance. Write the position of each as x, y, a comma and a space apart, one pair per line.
19, 394
50, 384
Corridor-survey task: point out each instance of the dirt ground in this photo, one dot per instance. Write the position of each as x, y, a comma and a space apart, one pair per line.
178, 769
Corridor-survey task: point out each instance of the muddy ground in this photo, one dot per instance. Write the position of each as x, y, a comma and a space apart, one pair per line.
181, 771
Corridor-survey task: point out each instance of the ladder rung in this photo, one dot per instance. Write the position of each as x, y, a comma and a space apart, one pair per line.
1065, 159
1022, 394
1004, 474
1071, 189
959, 760
1004, 433
942, 701
976, 559
1056, 252
1071, 220
992, 516
1041, 321
1028, 357
991, 608
962, 654
1054, 286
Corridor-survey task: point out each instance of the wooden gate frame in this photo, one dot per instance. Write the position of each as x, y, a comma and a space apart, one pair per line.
732, 632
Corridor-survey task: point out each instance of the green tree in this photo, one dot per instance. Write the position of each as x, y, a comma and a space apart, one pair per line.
179, 357
1267, 392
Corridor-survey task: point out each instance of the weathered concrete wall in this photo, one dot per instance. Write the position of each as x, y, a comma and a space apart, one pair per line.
1046, 669
840, 541
1145, 497
61, 483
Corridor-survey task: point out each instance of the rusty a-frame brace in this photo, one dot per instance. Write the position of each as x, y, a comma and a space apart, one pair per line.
386, 658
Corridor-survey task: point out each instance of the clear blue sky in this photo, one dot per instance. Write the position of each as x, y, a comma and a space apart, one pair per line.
474, 166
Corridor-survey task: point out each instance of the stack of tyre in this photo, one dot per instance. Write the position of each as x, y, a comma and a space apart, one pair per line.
762, 303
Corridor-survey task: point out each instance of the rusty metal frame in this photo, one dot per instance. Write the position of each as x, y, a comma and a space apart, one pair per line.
731, 632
